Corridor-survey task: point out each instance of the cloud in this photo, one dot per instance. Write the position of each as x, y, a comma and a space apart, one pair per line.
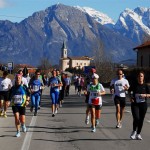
3, 3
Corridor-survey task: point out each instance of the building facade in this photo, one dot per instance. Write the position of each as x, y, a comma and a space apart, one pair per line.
143, 54
72, 62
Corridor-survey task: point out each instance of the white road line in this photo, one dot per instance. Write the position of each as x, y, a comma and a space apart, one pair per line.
128, 111
104, 101
26, 142
148, 121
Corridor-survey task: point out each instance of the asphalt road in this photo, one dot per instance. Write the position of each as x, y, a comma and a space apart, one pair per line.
68, 131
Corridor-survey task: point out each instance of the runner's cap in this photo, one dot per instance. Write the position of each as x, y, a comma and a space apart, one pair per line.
95, 76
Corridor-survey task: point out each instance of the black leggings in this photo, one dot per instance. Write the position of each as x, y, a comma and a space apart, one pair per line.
138, 112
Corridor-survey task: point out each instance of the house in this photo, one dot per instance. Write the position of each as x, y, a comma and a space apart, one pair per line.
143, 54
72, 62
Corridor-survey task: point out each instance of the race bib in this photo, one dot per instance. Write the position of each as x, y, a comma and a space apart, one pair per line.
35, 88
95, 101
95, 98
139, 99
17, 99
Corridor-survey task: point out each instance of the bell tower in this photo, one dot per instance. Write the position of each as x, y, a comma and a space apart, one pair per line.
64, 51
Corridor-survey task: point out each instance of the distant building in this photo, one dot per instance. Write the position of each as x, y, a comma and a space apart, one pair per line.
31, 69
72, 62
143, 54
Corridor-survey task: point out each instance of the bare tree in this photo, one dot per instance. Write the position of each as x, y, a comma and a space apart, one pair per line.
45, 64
103, 63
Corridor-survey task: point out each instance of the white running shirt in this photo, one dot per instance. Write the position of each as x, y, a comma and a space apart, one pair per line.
5, 84
119, 86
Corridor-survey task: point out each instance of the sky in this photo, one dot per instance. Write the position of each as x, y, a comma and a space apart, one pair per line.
17, 10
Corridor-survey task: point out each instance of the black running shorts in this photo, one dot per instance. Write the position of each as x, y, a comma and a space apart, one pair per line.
4, 95
120, 100
19, 109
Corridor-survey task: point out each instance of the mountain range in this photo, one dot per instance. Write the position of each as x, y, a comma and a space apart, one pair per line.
83, 29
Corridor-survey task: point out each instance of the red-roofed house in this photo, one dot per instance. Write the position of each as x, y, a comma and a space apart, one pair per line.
143, 54
72, 62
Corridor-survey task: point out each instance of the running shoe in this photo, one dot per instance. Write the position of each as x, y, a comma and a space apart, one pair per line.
56, 111
87, 121
39, 107
138, 137
5, 116
96, 122
93, 129
24, 129
119, 125
60, 105
53, 115
18, 134
1, 113
133, 135
35, 113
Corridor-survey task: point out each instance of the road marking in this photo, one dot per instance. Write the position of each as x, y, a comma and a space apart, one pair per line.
128, 111
148, 121
104, 101
26, 142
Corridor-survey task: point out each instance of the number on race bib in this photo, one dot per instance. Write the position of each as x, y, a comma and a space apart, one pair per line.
139, 99
35, 88
17, 99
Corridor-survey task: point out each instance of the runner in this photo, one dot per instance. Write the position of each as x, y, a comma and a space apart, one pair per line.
80, 84
88, 80
54, 83
68, 82
5, 85
75, 82
24, 80
28, 78
96, 90
19, 96
35, 87
61, 90
138, 94
118, 88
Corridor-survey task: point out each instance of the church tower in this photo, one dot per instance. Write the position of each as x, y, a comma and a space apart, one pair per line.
64, 51
64, 60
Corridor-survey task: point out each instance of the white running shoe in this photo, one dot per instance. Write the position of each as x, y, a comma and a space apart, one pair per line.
56, 111
119, 125
87, 121
133, 135
24, 129
138, 137
93, 129
18, 134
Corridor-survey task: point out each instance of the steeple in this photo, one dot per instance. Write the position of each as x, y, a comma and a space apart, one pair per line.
64, 51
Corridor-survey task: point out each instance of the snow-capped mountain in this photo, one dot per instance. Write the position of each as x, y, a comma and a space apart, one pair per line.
41, 36
134, 24
100, 17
